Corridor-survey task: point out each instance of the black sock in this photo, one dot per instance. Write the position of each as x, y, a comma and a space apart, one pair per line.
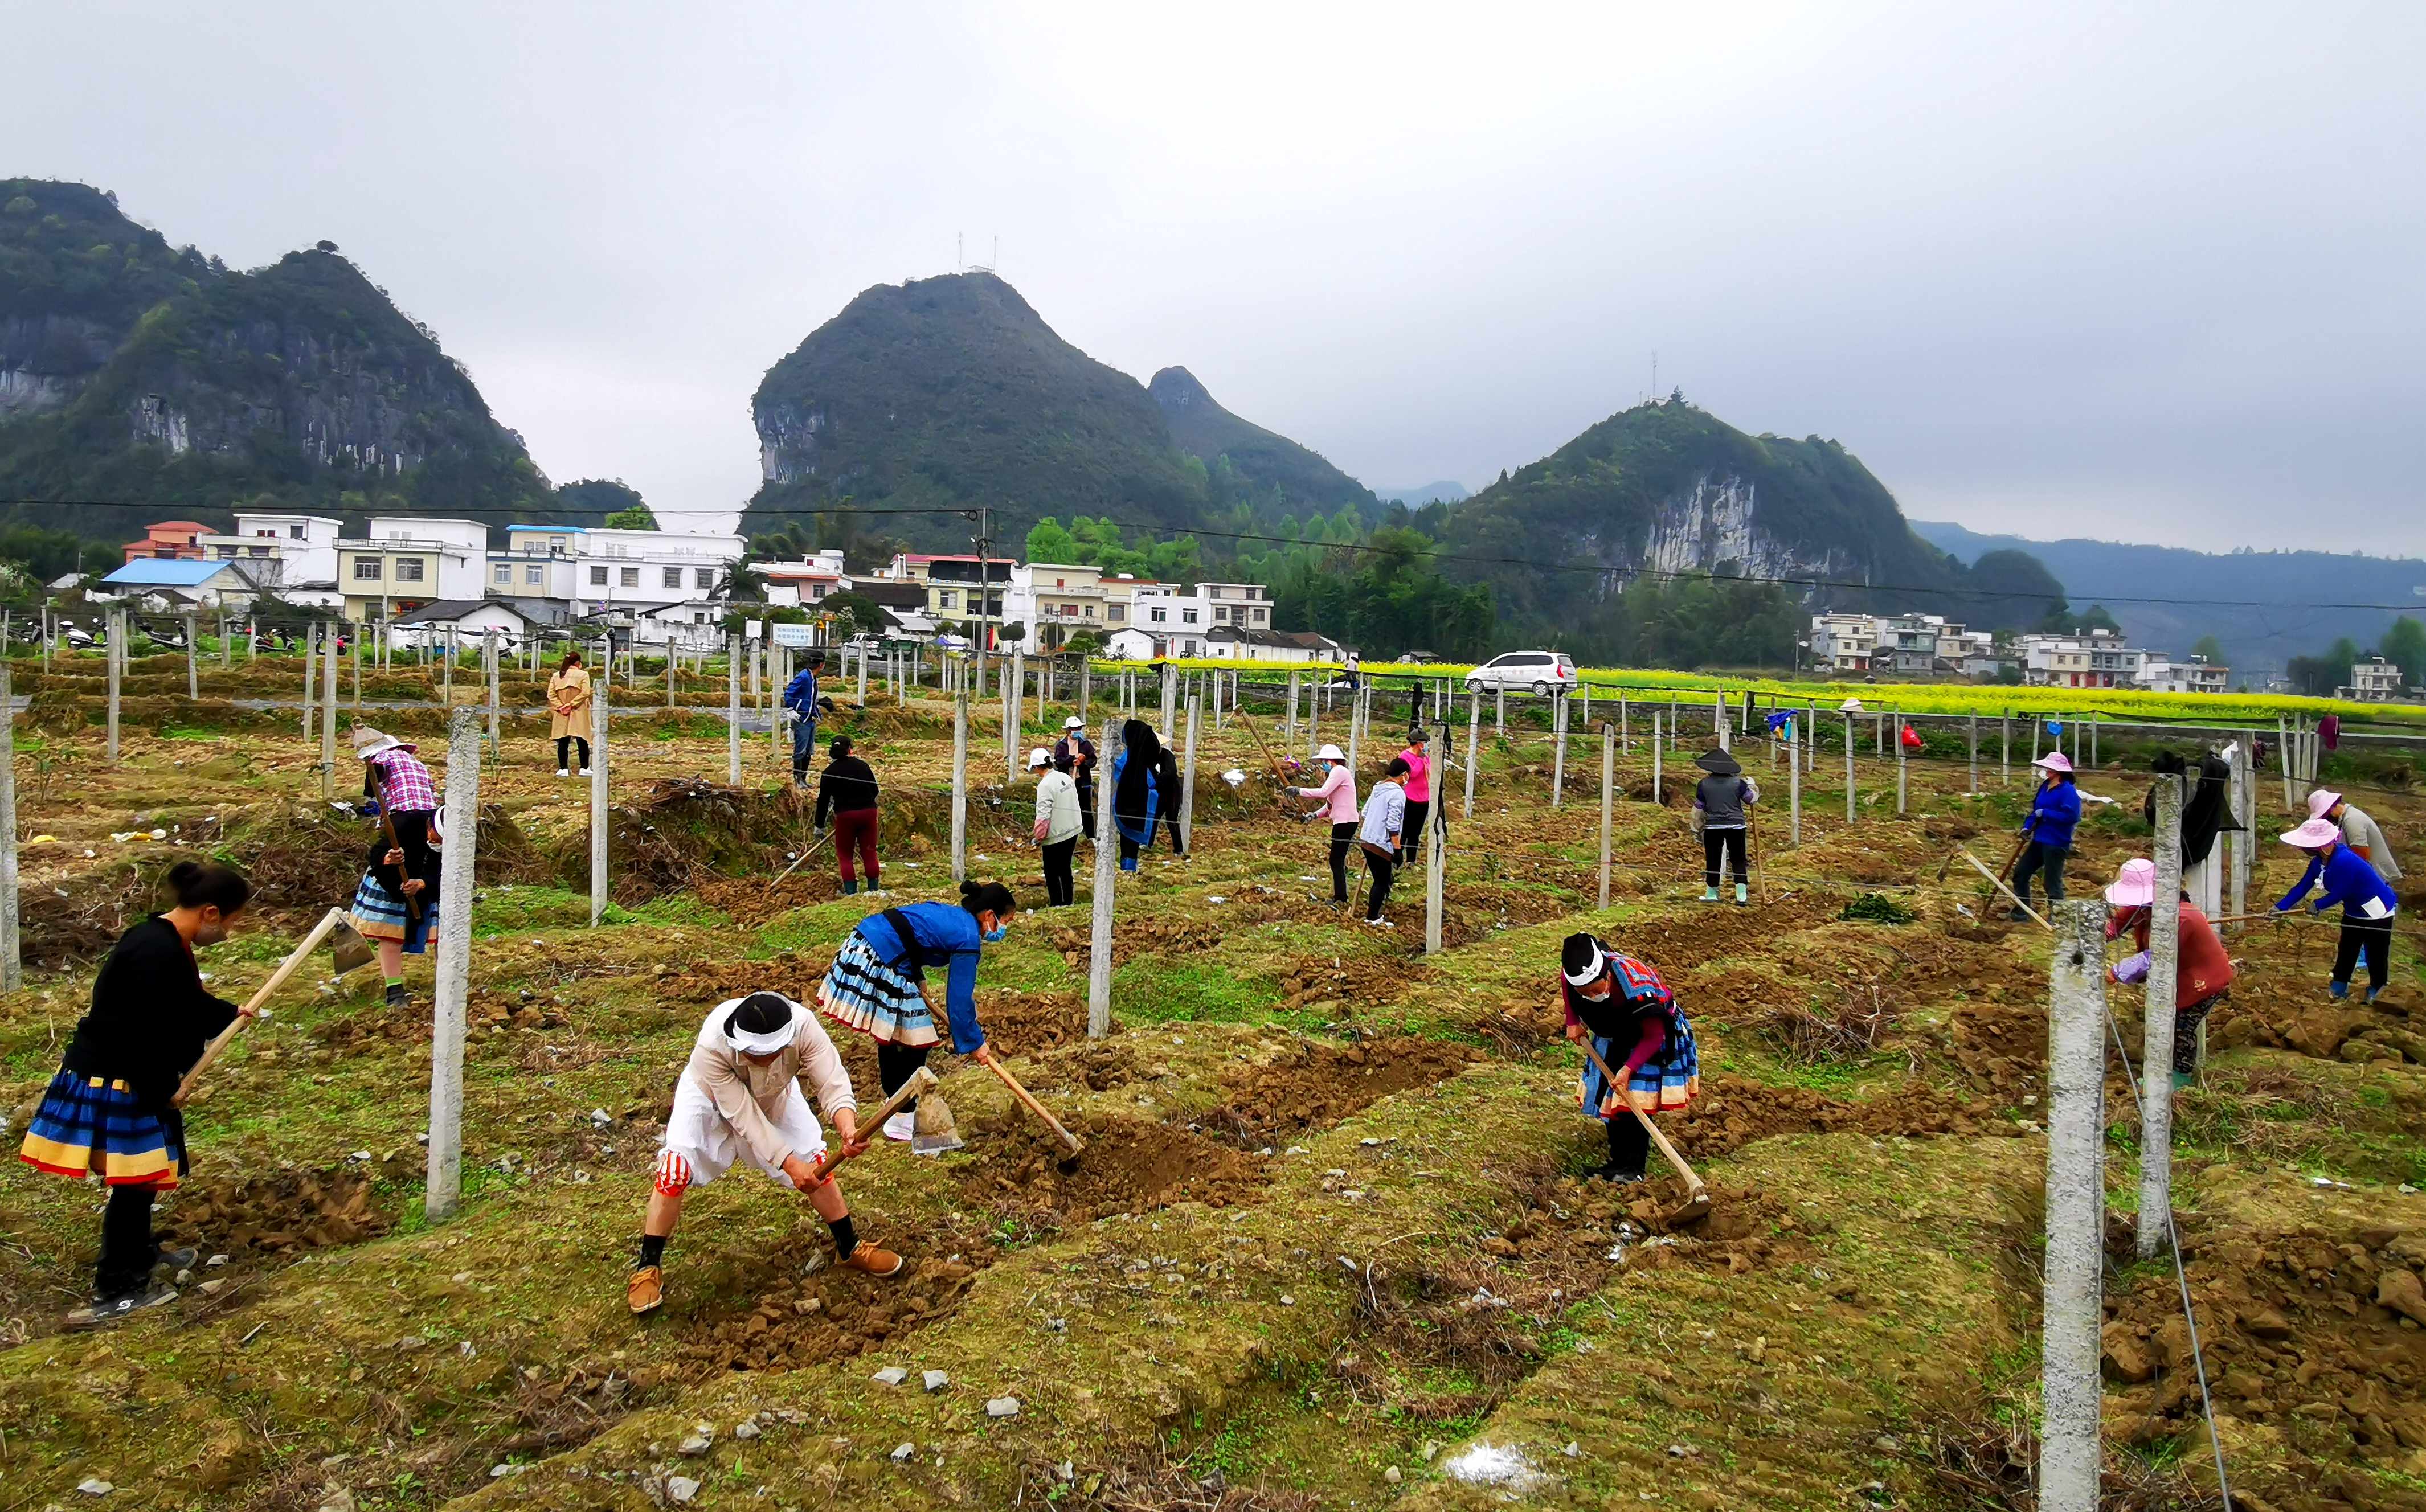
652, 1248
845, 1237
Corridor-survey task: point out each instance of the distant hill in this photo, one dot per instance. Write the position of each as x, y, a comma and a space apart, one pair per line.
1415, 498
1666, 488
1267, 463
2277, 619
134, 370
951, 392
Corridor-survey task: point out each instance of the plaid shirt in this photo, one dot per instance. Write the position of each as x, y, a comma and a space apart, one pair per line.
409, 789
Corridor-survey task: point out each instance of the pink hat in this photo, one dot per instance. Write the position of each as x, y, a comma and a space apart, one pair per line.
2322, 802
2314, 835
2054, 760
2137, 887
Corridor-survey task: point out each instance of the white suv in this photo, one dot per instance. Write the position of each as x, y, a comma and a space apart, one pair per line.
1538, 671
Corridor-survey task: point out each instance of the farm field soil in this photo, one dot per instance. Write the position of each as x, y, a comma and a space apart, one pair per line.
1330, 1244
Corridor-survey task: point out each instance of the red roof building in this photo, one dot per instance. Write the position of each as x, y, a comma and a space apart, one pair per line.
171, 540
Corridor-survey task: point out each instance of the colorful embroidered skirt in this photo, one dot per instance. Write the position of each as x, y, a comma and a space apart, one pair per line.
1668, 1081
86, 1126
863, 991
380, 914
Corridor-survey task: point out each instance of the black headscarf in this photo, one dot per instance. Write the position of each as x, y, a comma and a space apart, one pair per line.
1144, 755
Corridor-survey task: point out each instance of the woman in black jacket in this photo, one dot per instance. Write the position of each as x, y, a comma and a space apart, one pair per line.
113, 1108
847, 790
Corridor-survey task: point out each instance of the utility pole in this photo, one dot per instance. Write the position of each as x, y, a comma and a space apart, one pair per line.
2076, 1208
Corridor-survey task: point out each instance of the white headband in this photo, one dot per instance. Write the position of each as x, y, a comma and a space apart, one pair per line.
1599, 964
761, 1044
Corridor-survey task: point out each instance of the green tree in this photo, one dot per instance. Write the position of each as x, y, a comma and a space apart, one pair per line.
637, 518
2210, 650
2405, 645
1049, 542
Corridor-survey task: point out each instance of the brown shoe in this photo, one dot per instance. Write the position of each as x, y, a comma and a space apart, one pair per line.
647, 1290
875, 1261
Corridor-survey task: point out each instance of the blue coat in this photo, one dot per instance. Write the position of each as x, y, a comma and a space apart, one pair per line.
948, 935
2053, 814
2350, 882
801, 693
1139, 829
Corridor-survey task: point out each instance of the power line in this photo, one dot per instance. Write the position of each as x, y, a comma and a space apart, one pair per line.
1531, 564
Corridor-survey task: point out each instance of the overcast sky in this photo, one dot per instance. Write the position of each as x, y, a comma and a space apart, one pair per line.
2152, 275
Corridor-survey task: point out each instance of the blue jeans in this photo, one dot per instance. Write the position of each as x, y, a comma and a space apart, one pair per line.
805, 742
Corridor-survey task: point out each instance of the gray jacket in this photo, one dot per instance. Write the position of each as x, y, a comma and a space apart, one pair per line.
2361, 831
1721, 801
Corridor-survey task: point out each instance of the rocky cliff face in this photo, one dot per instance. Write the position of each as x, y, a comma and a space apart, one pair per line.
133, 370
1713, 526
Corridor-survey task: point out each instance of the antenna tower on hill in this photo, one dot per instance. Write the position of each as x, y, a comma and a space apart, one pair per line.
959, 255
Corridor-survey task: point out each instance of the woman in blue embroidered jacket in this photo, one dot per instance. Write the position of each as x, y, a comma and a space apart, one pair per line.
2367, 900
1621, 1005
1138, 796
2055, 809
877, 984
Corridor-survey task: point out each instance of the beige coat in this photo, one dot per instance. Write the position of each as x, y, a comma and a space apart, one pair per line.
568, 699
751, 1096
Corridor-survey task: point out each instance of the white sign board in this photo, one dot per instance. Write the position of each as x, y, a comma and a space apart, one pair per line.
792, 635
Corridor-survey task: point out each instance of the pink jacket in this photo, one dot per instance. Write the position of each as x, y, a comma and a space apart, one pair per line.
1420, 774
1339, 788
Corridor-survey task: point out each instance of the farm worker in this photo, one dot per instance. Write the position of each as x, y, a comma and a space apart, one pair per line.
1059, 825
2360, 831
2202, 969
1338, 792
2048, 831
1620, 1004
1167, 779
800, 707
1910, 737
568, 707
401, 789
1419, 793
1385, 818
113, 1109
739, 1098
1075, 754
2367, 901
1138, 796
847, 788
1354, 664
1719, 800
877, 984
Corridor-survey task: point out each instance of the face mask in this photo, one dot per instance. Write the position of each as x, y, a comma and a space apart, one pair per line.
1601, 996
997, 933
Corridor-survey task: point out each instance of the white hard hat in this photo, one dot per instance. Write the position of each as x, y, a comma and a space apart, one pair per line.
1074, 722
1039, 757
1331, 753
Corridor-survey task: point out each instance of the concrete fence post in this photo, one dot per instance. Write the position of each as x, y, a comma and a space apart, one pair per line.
1608, 801
1972, 735
1107, 850
2005, 750
329, 716
598, 718
13, 968
2076, 1209
117, 664
1187, 777
732, 710
193, 675
492, 670
1658, 755
1435, 840
1795, 736
960, 783
455, 882
1499, 712
1473, 746
1849, 768
1903, 778
311, 672
1288, 724
1625, 732
1558, 752
2157, 1035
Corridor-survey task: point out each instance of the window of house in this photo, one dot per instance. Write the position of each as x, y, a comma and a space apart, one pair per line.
630, 576
1188, 617
703, 578
504, 573
534, 574
943, 599
408, 569
366, 569
556, 543
1118, 611
673, 577
1222, 614
1070, 609
1260, 614
598, 577
295, 531
1157, 616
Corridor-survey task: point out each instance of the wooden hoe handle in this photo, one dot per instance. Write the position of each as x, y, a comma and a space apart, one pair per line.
921, 1080
1666, 1149
277, 979
1022, 1093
